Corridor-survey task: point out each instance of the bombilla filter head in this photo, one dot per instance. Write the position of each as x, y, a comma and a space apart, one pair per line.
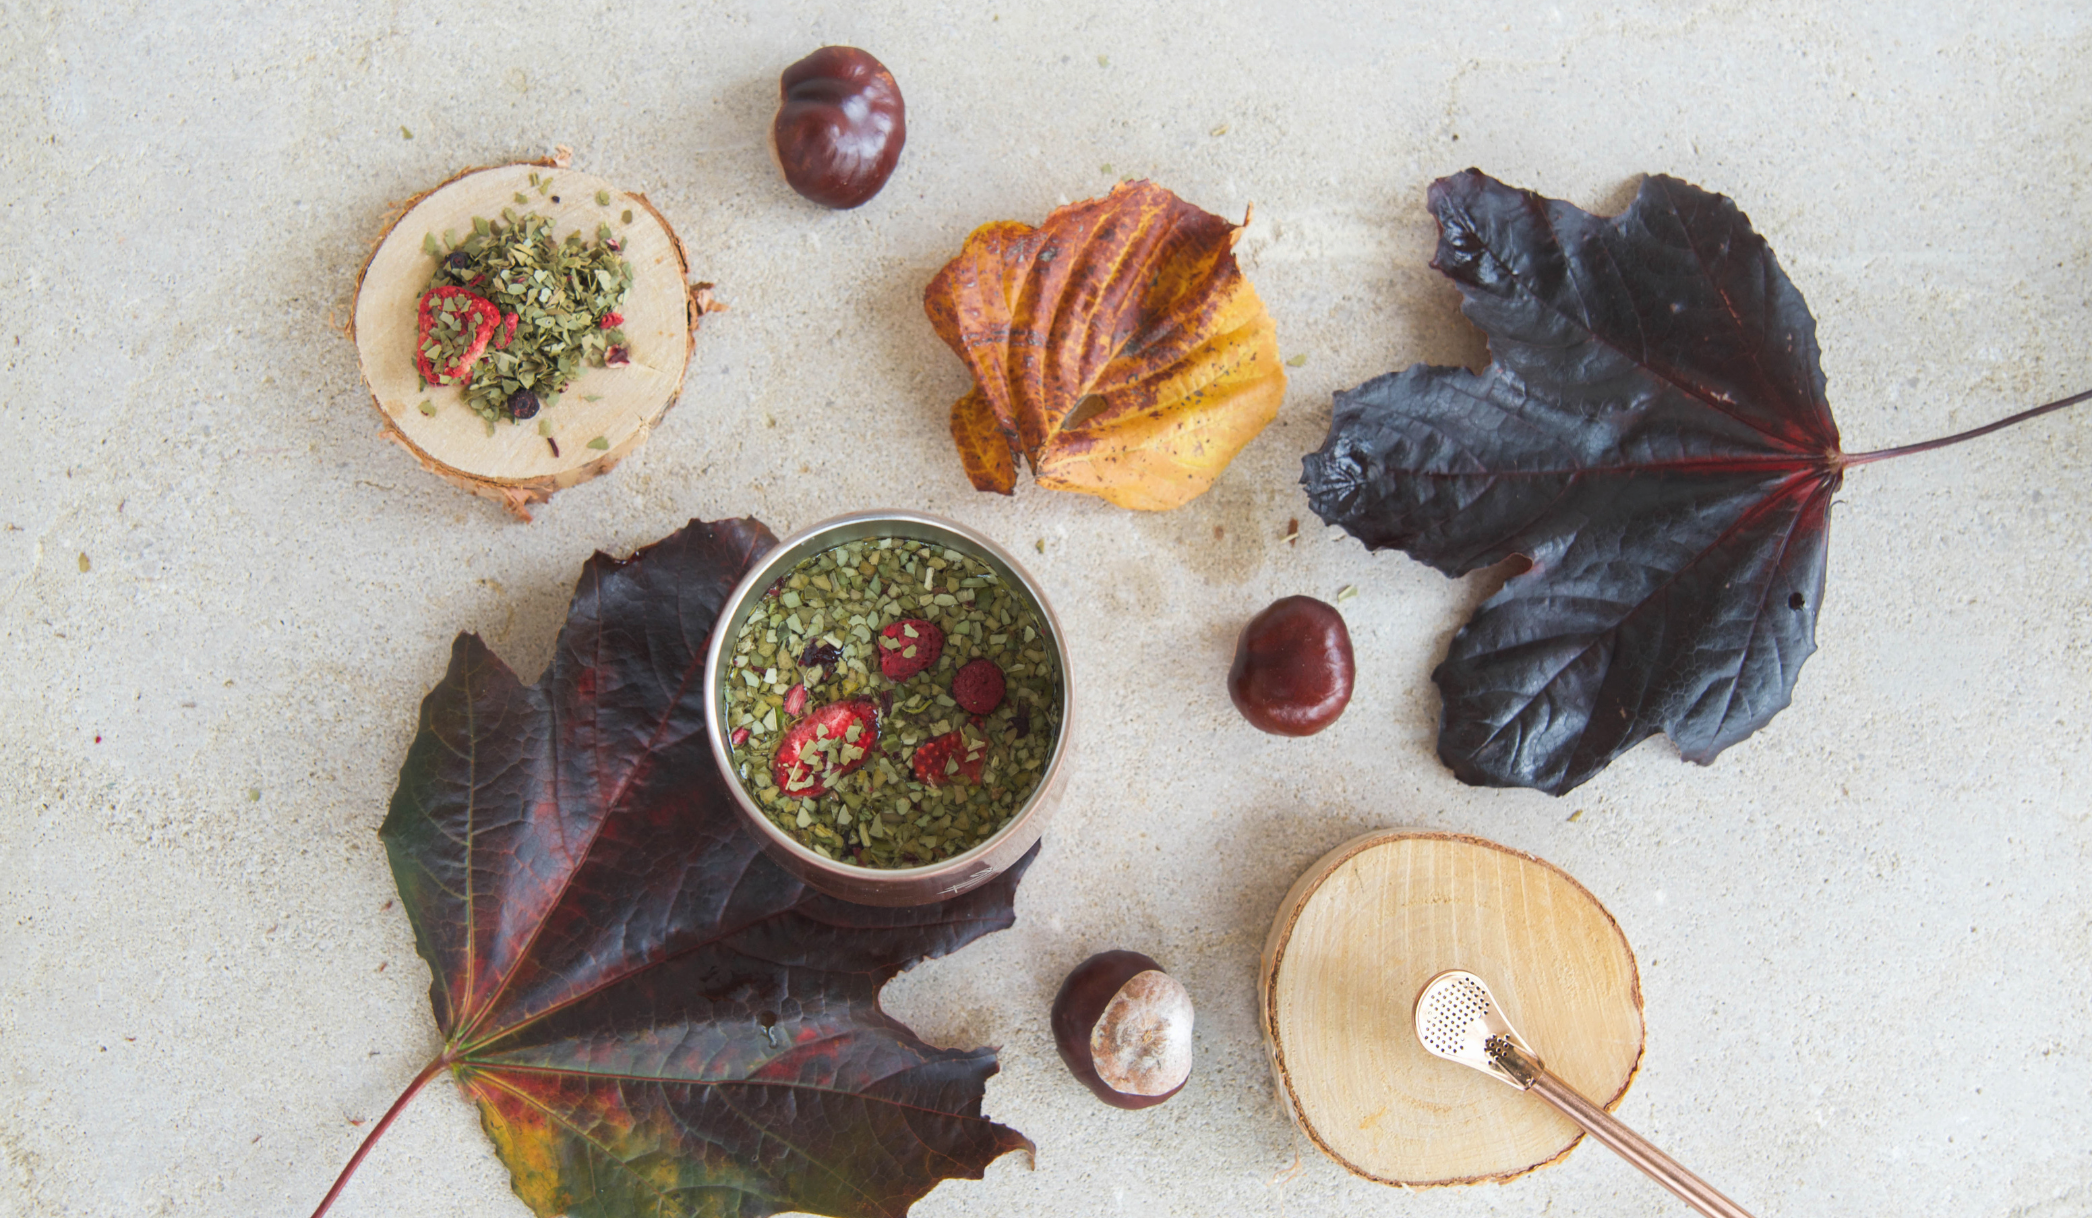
1457, 1018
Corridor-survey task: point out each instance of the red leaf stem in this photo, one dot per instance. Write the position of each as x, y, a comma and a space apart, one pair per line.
1884, 454
377, 1131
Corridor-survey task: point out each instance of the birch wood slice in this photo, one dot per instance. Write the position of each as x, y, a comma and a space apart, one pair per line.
515, 465
1354, 942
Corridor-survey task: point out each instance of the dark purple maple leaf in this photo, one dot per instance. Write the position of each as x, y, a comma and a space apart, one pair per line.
1652, 434
653, 1018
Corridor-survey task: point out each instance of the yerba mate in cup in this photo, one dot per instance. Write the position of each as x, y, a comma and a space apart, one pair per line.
888, 695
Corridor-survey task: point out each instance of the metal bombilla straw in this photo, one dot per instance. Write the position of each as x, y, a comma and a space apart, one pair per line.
1457, 1018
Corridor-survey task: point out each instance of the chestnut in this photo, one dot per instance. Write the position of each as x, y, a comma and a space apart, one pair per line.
840, 126
1124, 1028
1293, 669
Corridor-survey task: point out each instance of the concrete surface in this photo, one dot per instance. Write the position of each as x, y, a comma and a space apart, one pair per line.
1864, 934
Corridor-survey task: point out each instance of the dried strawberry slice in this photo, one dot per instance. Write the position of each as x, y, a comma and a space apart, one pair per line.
979, 686
950, 757
908, 646
478, 312
821, 748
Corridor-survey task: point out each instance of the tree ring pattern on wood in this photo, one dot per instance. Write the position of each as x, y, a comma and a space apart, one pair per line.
1354, 943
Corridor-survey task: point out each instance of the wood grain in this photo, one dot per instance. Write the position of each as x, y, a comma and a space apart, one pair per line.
515, 465
1354, 942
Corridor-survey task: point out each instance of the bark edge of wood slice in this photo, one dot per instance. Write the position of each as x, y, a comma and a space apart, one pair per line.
515, 466
1355, 940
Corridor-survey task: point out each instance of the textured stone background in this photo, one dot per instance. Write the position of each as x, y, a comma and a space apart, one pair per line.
1864, 933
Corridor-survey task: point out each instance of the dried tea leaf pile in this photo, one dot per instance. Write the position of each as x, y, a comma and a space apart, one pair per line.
557, 302
930, 780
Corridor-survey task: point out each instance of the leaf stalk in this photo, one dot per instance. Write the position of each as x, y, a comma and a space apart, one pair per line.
1883, 454
384, 1122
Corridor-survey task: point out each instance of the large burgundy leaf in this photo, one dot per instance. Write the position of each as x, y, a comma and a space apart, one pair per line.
653, 1018
1652, 434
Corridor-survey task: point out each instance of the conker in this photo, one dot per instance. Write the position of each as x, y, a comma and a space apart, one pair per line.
1124, 1027
1293, 669
840, 126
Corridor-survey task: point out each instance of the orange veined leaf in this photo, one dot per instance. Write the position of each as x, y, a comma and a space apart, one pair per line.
1118, 348
982, 448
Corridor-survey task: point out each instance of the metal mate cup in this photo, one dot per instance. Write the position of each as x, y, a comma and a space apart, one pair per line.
878, 885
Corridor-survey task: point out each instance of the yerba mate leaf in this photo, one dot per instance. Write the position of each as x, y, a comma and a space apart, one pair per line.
1652, 434
653, 1018
1117, 348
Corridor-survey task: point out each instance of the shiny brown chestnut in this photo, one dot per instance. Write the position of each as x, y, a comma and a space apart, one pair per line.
840, 126
1124, 1028
1293, 668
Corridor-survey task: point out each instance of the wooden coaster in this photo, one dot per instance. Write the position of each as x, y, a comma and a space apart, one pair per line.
1353, 945
517, 465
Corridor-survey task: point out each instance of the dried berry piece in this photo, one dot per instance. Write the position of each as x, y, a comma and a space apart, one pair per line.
452, 326
949, 758
1124, 1028
979, 686
829, 743
795, 700
523, 404
908, 646
819, 660
1293, 668
840, 126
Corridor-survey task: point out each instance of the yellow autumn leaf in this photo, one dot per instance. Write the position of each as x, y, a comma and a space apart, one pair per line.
982, 449
1117, 348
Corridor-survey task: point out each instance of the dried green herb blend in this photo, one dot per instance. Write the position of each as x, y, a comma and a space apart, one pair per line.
852, 695
557, 302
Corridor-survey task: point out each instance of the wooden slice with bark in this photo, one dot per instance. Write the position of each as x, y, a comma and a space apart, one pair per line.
522, 463
1356, 939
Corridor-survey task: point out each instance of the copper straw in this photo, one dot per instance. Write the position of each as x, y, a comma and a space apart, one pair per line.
1457, 1018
